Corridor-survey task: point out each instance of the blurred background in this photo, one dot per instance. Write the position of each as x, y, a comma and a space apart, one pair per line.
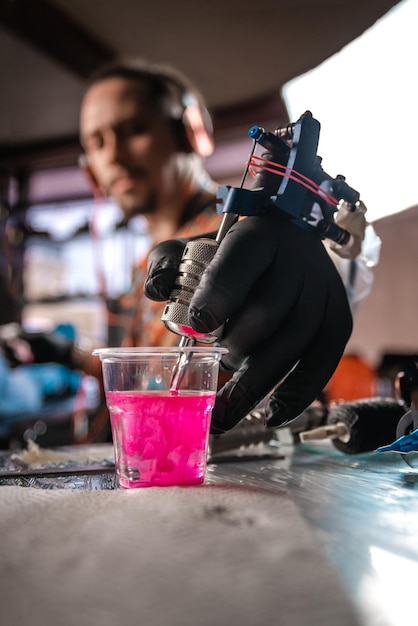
350, 63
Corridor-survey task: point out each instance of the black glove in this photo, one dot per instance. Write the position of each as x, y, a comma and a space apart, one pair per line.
285, 309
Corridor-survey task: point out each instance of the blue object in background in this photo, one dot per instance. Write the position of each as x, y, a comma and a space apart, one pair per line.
406, 443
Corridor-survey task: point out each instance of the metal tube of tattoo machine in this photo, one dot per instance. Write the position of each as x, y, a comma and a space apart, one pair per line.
197, 255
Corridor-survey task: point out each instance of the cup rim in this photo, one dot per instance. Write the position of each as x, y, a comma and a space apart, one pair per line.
123, 352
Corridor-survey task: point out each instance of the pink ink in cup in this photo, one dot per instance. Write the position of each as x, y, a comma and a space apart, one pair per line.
160, 433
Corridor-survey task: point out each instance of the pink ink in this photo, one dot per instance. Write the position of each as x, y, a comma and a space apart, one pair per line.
160, 437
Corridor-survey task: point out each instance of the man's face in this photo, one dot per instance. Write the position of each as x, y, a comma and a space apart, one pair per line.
129, 145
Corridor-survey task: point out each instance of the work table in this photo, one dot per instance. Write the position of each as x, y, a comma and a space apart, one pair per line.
292, 536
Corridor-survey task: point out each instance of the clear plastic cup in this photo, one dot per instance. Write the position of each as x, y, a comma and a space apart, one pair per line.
160, 402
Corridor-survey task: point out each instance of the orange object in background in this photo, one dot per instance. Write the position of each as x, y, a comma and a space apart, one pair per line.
353, 379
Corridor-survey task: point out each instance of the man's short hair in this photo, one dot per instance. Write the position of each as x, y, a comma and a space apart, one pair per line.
167, 86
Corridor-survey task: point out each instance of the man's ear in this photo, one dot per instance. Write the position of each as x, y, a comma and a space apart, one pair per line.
88, 172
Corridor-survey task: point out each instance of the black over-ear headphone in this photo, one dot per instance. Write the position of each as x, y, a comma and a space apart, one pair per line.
192, 121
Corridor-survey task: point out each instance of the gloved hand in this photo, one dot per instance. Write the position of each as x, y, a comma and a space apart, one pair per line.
285, 309
355, 222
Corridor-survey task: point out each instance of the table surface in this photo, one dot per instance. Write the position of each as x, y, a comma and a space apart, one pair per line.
363, 511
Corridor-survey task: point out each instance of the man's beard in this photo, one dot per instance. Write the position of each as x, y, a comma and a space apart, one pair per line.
132, 206
137, 199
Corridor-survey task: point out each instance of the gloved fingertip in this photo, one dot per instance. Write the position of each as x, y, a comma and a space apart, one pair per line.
201, 320
217, 425
214, 430
159, 284
276, 413
219, 421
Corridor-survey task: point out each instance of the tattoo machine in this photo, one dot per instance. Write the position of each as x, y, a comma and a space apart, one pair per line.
288, 178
